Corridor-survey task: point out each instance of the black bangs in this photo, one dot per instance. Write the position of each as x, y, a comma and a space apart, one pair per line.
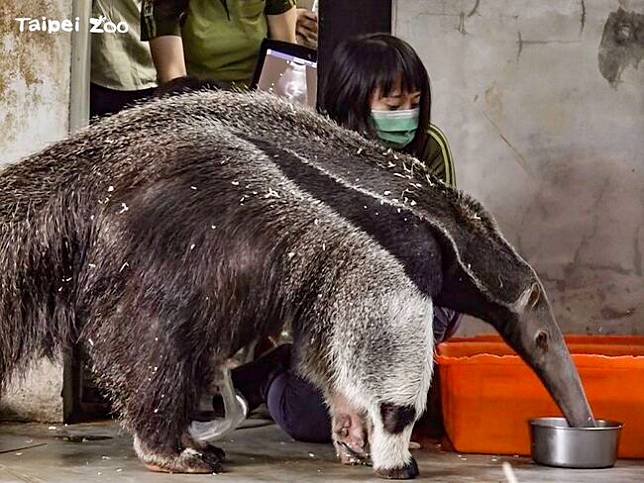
397, 64
360, 66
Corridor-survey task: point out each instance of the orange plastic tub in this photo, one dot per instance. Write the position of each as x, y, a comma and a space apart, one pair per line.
488, 393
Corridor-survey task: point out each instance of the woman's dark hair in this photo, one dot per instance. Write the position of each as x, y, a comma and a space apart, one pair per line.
363, 64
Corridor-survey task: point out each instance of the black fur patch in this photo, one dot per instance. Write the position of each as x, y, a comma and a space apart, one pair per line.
401, 233
396, 418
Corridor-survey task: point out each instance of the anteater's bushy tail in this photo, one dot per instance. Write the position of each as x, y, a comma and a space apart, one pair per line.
39, 262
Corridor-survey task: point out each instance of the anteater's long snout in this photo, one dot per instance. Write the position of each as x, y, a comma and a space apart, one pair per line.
538, 339
559, 374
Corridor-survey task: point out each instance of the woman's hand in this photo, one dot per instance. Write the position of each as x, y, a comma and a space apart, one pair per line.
349, 431
306, 28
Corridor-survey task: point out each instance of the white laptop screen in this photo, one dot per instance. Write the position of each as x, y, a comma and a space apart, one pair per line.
288, 76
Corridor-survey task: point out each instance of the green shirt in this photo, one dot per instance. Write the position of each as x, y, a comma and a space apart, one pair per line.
438, 157
221, 38
121, 61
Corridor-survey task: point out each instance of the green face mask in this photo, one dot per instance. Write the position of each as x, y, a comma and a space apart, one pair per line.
396, 128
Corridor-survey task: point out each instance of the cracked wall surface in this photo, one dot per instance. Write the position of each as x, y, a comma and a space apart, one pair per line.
547, 129
34, 108
34, 79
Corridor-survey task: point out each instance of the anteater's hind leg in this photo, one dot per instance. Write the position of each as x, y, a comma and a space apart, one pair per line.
190, 457
155, 380
160, 415
160, 419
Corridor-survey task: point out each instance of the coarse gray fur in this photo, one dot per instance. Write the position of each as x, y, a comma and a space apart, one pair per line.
172, 234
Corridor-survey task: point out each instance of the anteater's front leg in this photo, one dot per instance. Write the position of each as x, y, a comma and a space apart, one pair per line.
384, 368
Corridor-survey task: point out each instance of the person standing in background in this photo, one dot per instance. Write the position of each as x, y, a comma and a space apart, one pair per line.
213, 39
122, 71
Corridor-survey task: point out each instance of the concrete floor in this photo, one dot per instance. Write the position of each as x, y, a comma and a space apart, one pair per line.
258, 452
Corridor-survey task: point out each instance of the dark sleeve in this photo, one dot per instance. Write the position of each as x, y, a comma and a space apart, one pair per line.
438, 157
161, 17
277, 7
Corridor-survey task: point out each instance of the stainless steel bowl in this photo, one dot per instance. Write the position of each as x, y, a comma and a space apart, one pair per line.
554, 443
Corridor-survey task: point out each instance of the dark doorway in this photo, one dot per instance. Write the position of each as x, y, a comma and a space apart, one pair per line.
341, 19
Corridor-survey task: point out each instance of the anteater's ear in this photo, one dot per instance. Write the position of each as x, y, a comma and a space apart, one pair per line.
528, 299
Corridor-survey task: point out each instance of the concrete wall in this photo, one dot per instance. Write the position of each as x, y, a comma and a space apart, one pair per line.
34, 110
34, 79
543, 105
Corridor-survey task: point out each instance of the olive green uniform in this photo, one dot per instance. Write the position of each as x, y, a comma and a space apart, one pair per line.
120, 61
221, 38
438, 157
